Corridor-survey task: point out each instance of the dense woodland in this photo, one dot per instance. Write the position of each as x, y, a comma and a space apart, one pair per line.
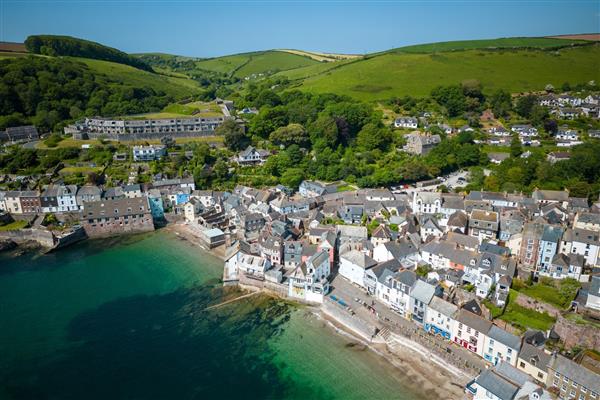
51, 45
48, 92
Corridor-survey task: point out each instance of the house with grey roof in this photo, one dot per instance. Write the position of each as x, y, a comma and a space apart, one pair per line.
593, 295
394, 290
583, 242
471, 331
501, 346
505, 382
564, 266
353, 265
572, 380
421, 143
439, 318
309, 280
420, 297
534, 361
483, 224
403, 251
252, 156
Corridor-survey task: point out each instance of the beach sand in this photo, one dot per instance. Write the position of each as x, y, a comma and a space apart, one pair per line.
432, 380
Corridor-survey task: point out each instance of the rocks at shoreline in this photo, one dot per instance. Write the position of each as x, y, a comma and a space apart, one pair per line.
7, 244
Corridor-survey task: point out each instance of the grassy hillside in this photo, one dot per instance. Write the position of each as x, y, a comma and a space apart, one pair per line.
177, 87
399, 73
502, 43
243, 65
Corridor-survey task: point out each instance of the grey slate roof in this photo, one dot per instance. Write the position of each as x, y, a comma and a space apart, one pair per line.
443, 306
576, 372
535, 356
422, 291
504, 337
499, 386
474, 321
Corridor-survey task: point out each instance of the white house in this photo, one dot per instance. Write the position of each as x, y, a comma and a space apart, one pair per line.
67, 198
406, 122
420, 297
426, 202
309, 280
583, 242
439, 318
501, 346
148, 153
394, 290
593, 298
353, 265
252, 156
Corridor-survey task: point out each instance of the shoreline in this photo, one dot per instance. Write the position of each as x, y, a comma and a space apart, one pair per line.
433, 382
435, 378
185, 233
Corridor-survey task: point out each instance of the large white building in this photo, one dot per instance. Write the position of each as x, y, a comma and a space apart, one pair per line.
148, 153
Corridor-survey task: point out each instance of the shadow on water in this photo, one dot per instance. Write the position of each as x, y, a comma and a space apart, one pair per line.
164, 347
30, 258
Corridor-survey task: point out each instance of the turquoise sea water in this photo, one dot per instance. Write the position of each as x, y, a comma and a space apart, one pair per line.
125, 319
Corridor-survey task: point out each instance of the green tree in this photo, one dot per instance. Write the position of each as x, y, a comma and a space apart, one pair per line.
373, 136
515, 146
290, 134
525, 104
292, 177
501, 103
233, 135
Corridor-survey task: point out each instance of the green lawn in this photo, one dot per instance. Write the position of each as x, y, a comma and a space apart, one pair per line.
524, 318
14, 226
557, 293
81, 170
398, 74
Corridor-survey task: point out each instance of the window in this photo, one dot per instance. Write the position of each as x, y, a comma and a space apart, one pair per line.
522, 364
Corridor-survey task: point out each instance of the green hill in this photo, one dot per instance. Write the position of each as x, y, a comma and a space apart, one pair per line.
52, 45
502, 43
113, 73
399, 72
246, 64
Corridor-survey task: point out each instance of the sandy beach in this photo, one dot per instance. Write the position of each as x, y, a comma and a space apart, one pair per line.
187, 233
432, 380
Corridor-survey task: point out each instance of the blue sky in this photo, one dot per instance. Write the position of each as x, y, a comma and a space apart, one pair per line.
210, 28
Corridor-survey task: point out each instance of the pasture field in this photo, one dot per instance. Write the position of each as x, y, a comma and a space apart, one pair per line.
113, 72
398, 74
501, 43
243, 65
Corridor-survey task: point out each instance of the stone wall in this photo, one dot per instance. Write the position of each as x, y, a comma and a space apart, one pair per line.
42, 236
533, 304
118, 226
573, 334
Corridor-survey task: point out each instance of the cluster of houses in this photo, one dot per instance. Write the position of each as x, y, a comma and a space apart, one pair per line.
424, 247
528, 135
103, 211
410, 252
566, 106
